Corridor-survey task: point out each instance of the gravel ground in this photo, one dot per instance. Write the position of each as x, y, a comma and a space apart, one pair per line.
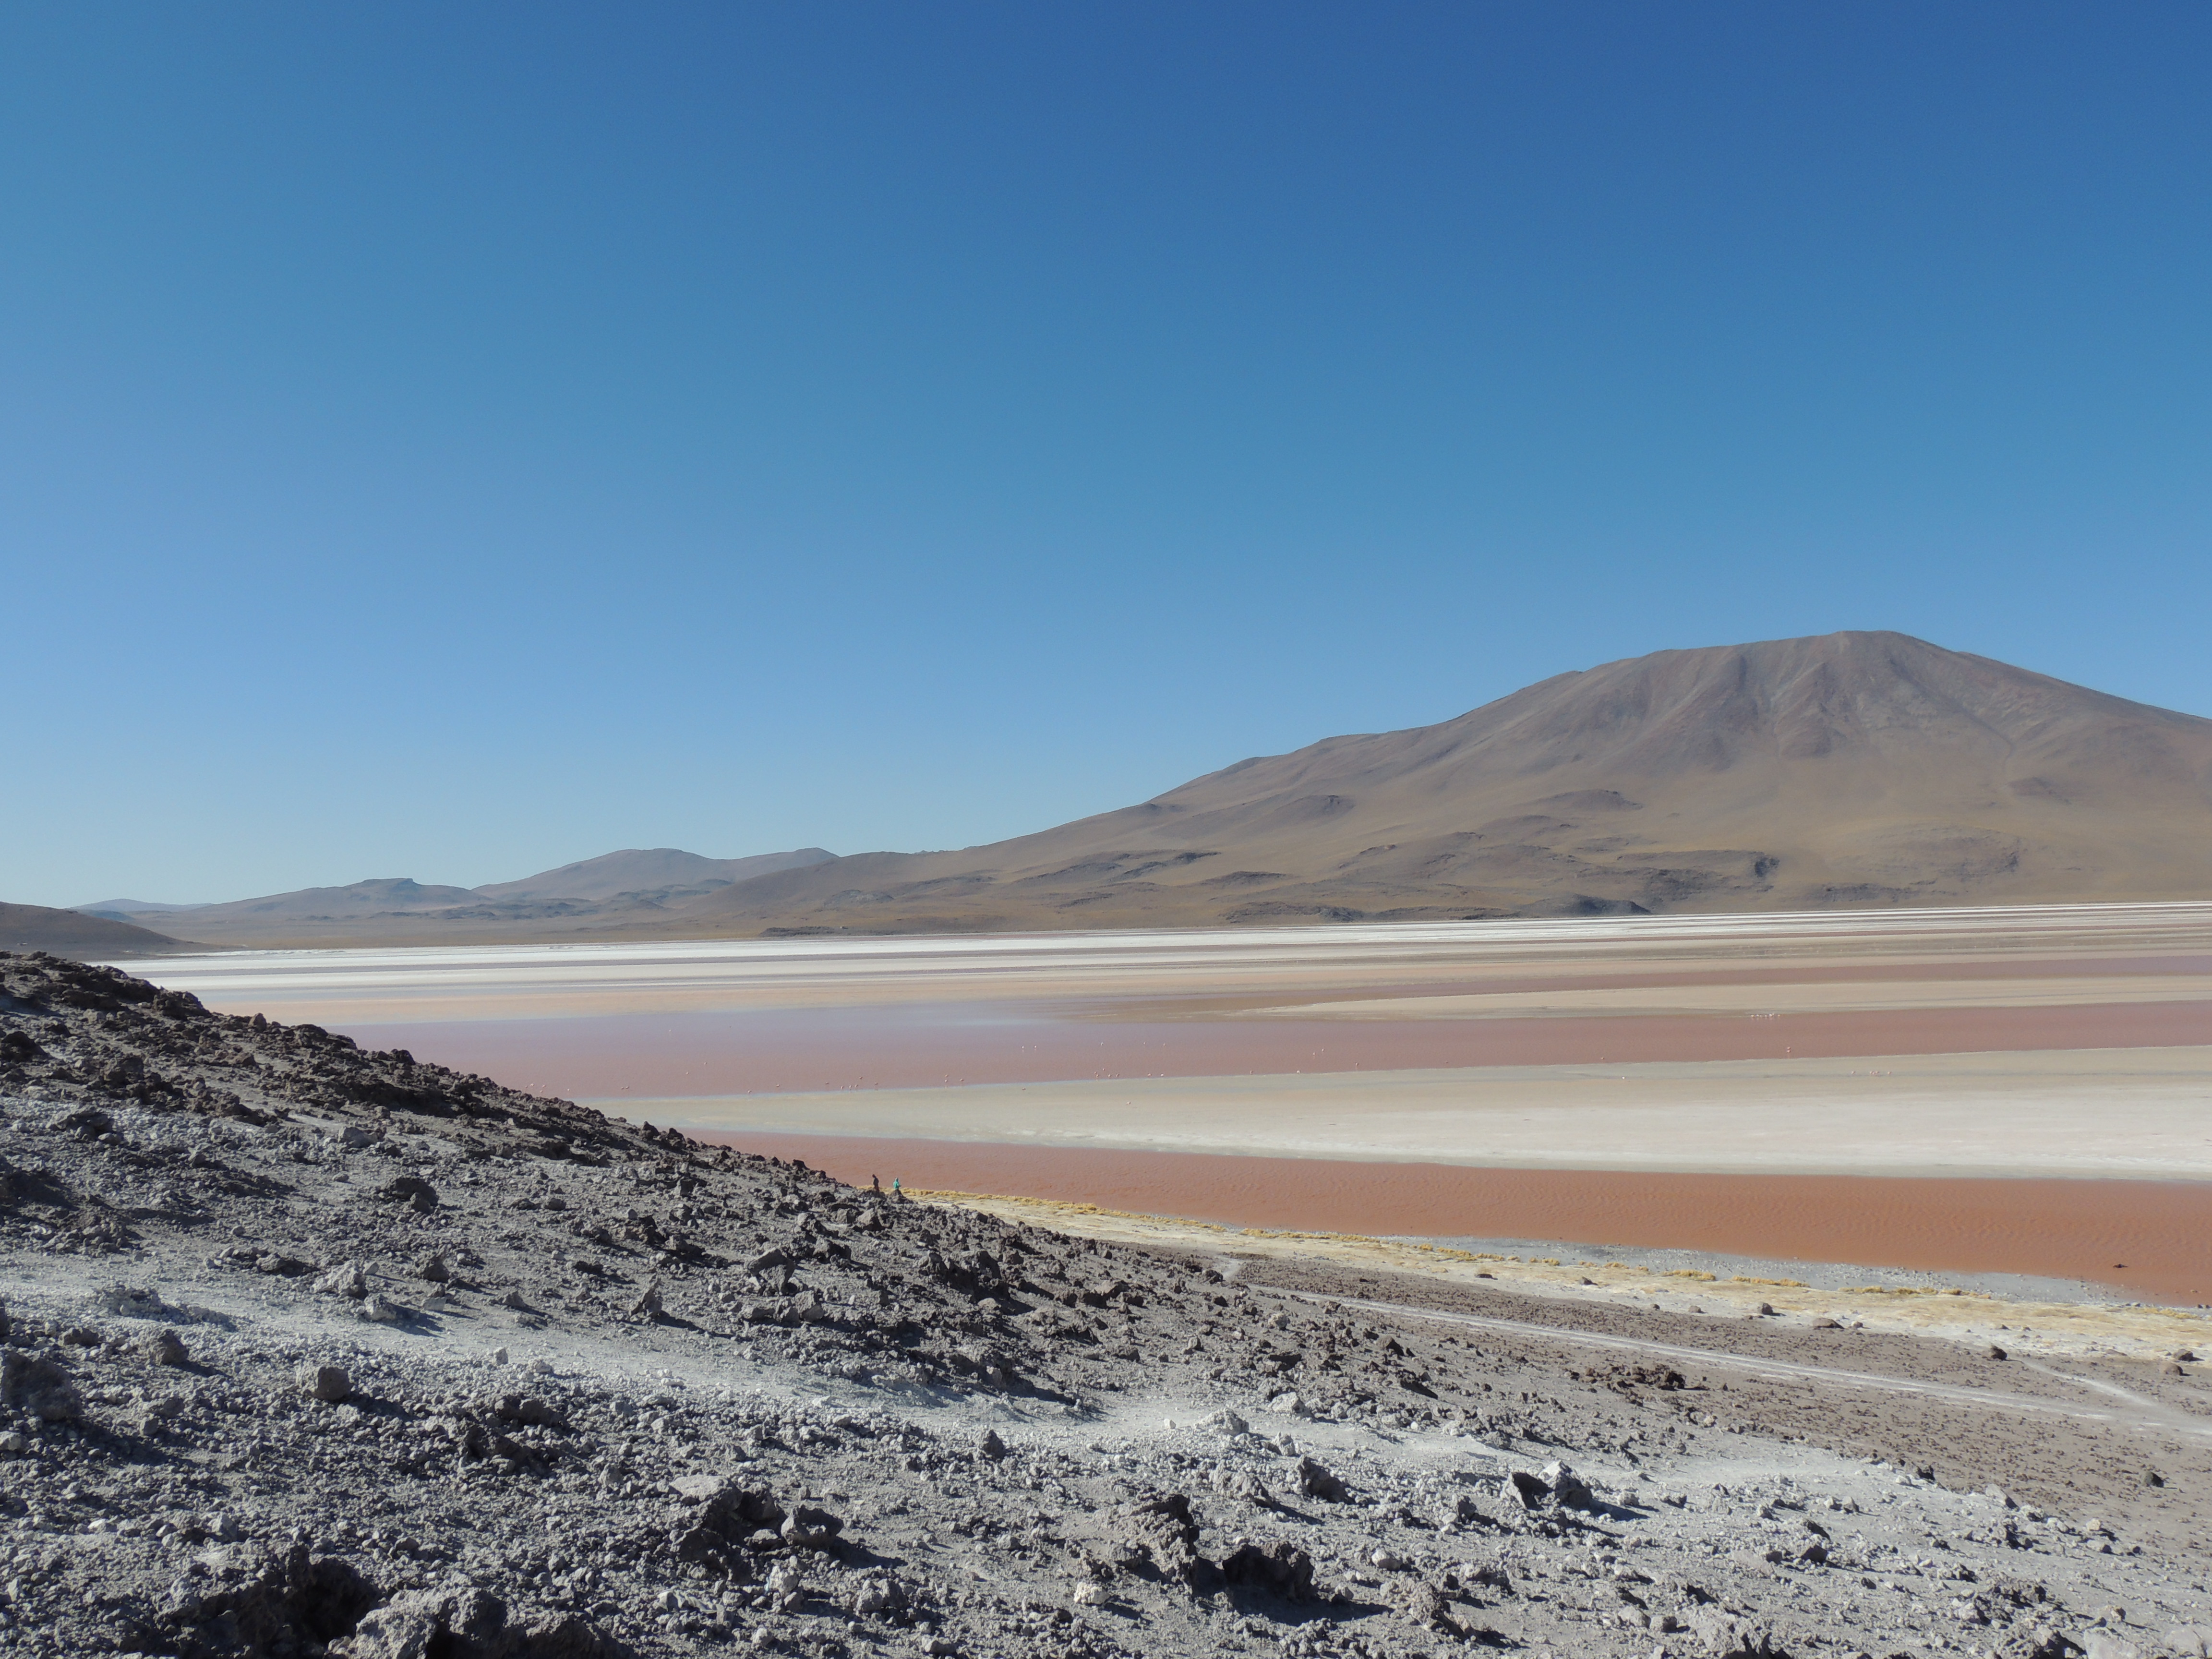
310, 1350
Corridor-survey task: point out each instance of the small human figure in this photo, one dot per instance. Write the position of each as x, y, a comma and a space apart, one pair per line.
896, 1193
875, 1183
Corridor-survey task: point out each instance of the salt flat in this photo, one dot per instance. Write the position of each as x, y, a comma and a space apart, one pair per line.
1879, 997
466, 981
2043, 1043
2099, 1113
1681, 1042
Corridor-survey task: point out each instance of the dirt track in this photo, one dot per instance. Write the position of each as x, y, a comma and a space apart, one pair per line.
2091, 1431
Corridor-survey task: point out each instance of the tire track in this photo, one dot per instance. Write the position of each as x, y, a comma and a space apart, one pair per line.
2143, 1414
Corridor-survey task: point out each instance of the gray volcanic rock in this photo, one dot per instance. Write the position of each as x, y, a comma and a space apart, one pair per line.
671, 1397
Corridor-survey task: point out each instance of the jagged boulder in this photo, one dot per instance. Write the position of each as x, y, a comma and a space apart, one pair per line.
1726, 1636
1568, 1489
1280, 1568
276, 1604
1169, 1531
39, 1386
466, 1623
1315, 1481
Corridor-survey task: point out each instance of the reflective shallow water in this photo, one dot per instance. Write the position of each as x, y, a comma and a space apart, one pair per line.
720, 1024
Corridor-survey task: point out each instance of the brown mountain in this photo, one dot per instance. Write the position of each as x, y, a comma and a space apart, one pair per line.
655, 873
636, 889
72, 933
1850, 769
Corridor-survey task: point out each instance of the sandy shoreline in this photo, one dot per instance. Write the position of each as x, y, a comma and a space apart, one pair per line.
2051, 1319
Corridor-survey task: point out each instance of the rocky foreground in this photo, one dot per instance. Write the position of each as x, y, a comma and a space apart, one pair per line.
314, 1350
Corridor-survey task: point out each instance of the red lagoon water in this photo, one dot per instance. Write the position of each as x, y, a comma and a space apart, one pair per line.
2153, 1237
786, 1050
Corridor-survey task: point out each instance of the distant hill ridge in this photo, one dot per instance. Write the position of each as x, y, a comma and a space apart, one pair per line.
1845, 769
72, 933
661, 871
615, 884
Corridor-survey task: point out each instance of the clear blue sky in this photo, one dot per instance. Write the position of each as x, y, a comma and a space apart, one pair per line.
448, 440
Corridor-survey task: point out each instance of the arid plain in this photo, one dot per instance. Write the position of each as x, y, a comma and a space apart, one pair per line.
2021, 1090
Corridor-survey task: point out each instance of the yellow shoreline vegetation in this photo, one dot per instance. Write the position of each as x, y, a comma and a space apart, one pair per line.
2130, 1331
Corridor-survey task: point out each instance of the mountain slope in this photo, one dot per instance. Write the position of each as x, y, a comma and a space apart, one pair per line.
383, 895
1846, 770
1849, 769
69, 934
661, 872
630, 888
130, 909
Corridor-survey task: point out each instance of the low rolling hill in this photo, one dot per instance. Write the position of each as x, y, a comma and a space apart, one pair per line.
635, 887
72, 933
